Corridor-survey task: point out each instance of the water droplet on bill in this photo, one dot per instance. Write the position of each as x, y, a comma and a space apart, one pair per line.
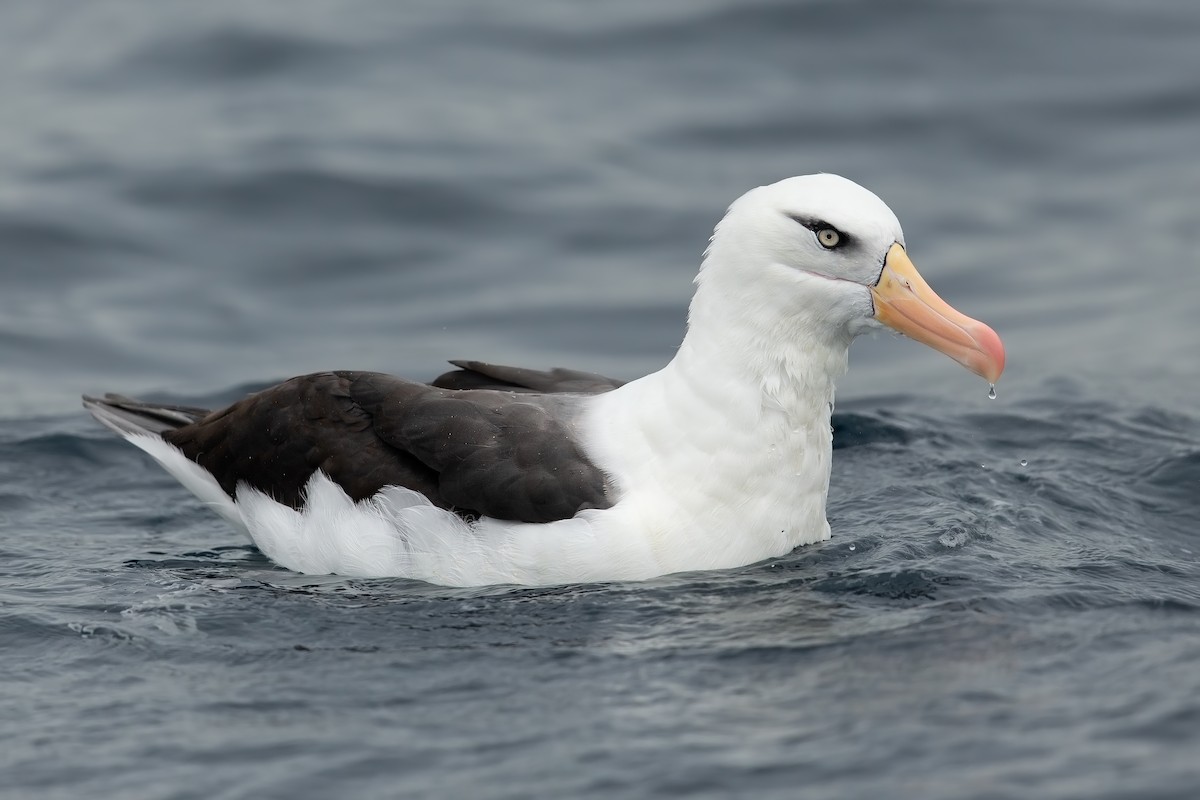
991, 391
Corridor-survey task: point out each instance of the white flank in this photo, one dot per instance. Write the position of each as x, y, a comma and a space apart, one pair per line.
195, 478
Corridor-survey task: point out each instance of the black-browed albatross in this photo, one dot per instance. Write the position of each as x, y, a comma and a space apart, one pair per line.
506, 475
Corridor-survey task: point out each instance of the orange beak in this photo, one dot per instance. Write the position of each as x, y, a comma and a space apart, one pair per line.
904, 301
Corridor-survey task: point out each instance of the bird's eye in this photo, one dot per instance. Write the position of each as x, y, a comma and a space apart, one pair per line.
829, 238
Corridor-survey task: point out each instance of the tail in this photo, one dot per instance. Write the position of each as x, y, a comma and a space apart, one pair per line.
132, 417
143, 424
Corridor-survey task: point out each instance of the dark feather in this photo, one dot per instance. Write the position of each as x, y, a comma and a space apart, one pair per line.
504, 454
508, 454
478, 375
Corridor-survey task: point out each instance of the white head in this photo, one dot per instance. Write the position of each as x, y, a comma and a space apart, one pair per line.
817, 260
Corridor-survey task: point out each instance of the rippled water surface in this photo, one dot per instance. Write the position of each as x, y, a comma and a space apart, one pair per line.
199, 198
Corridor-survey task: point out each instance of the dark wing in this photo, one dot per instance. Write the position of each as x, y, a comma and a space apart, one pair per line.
276, 439
478, 375
500, 454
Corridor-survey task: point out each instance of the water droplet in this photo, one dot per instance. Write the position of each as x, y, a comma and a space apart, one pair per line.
1024, 463
851, 547
991, 391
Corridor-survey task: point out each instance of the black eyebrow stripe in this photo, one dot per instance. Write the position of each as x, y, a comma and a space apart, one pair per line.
812, 223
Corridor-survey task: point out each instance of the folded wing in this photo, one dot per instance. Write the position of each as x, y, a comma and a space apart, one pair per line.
512, 453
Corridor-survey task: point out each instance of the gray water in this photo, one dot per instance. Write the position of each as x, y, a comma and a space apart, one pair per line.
196, 199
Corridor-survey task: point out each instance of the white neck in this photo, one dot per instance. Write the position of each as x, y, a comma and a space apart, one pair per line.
786, 354
724, 454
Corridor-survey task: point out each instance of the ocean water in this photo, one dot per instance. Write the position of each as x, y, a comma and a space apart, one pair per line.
197, 199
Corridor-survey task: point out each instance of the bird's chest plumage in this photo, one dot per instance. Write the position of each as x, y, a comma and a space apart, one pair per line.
718, 480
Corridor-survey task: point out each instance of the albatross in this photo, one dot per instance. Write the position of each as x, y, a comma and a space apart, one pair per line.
494, 474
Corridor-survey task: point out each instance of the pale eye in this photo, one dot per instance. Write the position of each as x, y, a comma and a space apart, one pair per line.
829, 238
